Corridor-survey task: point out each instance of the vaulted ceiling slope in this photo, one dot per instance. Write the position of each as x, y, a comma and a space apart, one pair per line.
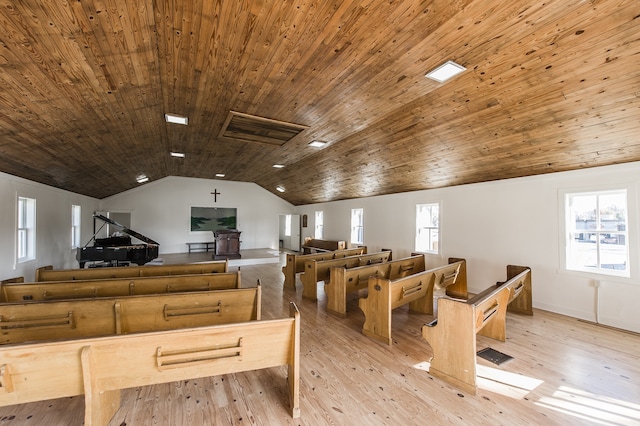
84, 86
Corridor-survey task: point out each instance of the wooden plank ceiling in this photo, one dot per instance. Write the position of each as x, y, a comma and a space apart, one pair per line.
84, 85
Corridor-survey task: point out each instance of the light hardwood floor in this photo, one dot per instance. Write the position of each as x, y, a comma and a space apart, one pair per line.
564, 372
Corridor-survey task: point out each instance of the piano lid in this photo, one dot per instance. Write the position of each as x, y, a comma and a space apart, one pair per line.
125, 230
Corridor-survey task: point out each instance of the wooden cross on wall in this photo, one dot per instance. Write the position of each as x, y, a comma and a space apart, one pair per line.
215, 194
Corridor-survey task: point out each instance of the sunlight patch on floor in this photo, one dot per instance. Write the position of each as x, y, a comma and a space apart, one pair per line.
505, 383
511, 385
595, 408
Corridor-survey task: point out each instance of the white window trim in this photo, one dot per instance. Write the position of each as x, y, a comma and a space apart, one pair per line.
632, 233
316, 225
31, 237
415, 221
351, 226
76, 229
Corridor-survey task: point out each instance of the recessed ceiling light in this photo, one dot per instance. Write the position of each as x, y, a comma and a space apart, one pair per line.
177, 119
142, 178
219, 174
280, 188
445, 71
317, 144
278, 166
177, 154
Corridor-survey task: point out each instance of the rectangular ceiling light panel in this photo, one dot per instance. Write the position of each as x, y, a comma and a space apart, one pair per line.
176, 119
445, 71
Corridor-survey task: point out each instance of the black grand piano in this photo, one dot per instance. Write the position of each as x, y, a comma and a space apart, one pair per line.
117, 250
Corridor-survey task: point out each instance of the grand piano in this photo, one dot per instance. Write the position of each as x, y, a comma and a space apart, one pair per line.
117, 250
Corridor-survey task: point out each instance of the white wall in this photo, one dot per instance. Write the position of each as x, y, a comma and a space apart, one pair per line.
53, 226
515, 221
161, 210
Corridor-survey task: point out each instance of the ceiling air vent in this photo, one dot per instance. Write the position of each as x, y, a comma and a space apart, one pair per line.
250, 128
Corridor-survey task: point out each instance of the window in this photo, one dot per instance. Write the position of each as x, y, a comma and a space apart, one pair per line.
597, 232
287, 225
75, 226
319, 225
428, 228
26, 229
357, 227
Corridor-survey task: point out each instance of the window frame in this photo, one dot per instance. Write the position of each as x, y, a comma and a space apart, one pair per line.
25, 229
566, 232
357, 229
318, 230
76, 222
420, 227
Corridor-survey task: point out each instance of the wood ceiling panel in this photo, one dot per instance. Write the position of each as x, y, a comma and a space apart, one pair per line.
84, 86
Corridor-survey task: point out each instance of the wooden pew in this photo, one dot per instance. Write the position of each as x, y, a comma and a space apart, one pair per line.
311, 245
521, 299
459, 288
452, 335
350, 280
295, 262
47, 273
319, 270
416, 290
72, 319
100, 367
55, 290
12, 280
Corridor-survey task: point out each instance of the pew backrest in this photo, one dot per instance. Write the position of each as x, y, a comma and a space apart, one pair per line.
56, 290
416, 290
186, 355
311, 245
99, 367
521, 300
47, 273
457, 289
73, 319
350, 280
295, 262
319, 270
515, 287
12, 280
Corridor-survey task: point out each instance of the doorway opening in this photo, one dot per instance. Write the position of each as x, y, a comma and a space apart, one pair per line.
289, 232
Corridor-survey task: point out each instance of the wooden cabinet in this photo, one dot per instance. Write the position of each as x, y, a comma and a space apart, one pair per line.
227, 244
